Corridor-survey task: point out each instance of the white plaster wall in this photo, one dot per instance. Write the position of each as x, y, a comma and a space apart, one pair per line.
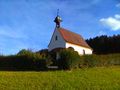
79, 49
60, 42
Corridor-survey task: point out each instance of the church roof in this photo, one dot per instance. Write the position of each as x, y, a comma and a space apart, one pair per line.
73, 38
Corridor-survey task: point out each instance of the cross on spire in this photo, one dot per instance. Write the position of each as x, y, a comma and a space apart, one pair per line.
57, 12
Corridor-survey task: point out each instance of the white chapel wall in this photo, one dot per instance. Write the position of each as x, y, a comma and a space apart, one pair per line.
60, 42
79, 49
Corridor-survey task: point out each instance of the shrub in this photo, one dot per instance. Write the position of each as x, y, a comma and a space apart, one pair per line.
24, 52
90, 60
46, 55
24, 60
101, 60
68, 59
107, 60
37, 60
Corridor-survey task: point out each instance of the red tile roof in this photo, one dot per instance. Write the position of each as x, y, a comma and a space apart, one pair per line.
73, 38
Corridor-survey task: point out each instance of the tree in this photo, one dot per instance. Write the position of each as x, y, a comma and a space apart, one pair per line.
104, 44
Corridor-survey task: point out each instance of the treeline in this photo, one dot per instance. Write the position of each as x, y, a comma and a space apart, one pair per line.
105, 44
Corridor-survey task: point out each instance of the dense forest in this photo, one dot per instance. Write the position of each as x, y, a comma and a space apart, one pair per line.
105, 44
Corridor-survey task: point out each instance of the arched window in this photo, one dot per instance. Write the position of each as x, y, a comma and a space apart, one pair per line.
83, 52
71, 48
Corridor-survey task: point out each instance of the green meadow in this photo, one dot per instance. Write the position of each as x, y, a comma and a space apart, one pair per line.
97, 78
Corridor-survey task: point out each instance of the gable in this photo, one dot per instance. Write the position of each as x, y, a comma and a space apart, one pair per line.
56, 40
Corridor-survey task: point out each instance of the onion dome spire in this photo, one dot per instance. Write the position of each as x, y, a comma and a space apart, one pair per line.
58, 19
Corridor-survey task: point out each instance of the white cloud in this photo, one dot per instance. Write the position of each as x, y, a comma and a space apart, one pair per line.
117, 16
112, 22
118, 5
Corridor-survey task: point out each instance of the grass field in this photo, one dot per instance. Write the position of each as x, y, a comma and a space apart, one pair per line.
100, 78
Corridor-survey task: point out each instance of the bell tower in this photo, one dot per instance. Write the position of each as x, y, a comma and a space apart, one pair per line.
58, 20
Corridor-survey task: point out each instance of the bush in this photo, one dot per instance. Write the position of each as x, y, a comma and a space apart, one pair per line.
108, 60
68, 59
24, 60
24, 52
101, 60
46, 55
38, 61
90, 60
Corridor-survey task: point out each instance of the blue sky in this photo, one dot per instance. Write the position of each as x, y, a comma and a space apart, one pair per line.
28, 24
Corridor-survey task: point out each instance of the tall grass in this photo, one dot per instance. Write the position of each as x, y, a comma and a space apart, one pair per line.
97, 78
